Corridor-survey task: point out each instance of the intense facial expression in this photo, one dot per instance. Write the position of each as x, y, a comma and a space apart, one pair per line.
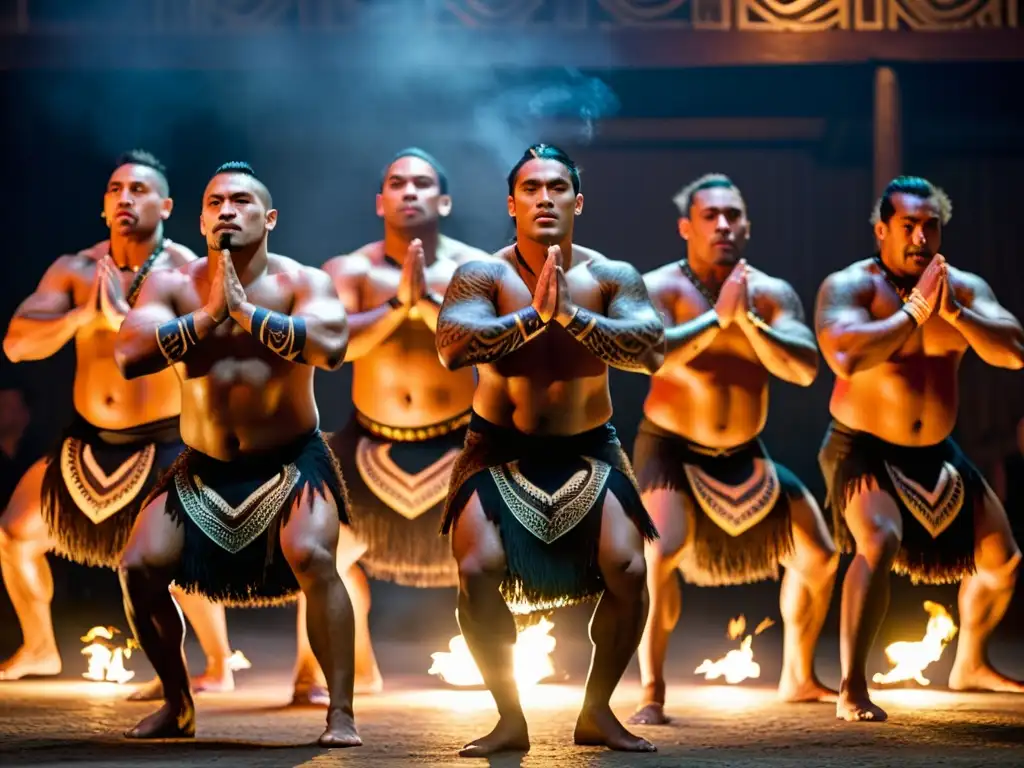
235, 214
912, 236
411, 196
717, 229
543, 202
134, 203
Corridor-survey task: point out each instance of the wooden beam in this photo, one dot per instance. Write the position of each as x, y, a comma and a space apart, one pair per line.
888, 130
619, 48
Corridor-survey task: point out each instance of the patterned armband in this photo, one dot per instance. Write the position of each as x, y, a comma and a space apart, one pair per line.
529, 323
176, 337
581, 323
282, 334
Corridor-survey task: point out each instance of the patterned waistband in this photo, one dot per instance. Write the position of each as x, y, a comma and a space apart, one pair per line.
414, 434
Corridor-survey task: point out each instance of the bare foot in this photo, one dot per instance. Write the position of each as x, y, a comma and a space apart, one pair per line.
168, 722
310, 695
213, 683
600, 728
508, 736
26, 663
809, 690
982, 678
151, 691
341, 730
651, 713
857, 708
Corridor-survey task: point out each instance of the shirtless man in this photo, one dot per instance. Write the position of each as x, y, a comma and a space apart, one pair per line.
250, 512
725, 512
894, 329
410, 415
81, 500
543, 509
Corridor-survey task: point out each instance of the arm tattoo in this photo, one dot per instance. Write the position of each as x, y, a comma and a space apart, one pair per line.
176, 337
484, 337
632, 329
281, 334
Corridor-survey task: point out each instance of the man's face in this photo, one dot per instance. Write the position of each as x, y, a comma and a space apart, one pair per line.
235, 215
543, 202
717, 228
411, 196
134, 204
912, 236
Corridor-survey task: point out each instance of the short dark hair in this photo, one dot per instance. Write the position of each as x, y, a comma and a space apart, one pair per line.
239, 166
684, 198
422, 154
917, 187
545, 152
148, 159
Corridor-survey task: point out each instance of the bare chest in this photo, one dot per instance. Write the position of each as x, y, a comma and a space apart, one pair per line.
936, 338
382, 282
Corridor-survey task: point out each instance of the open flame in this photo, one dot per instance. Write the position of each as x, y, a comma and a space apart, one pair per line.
106, 658
737, 665
531, 655
909, 659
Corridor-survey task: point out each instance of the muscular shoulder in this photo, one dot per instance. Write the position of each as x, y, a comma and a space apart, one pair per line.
609, 271
348, 267
177, 255
968, 283
480, 277
853, 284
462, 253
300, 276
773, 290
665, 281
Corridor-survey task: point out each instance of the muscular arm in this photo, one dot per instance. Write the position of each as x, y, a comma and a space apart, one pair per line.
316, 331
366, 329
632, 336
851, 341
469, 330
784, 344
48, 319
152, 336
990, 329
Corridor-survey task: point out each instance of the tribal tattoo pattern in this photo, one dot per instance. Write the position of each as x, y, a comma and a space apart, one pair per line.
467, 317
633, 327
176, 337
281, 334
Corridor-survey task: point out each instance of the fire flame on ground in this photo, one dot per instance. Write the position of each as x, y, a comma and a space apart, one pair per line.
737, 665
531, 654
909, 659
106, 658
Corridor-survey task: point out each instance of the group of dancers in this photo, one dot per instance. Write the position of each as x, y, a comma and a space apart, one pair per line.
195, 465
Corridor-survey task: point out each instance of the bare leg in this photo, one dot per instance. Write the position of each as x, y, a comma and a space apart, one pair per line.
24, 542
804, 600
310, 542
210, 625
488, 627
615, 630
876, 526
147, 565
984, 598
310, 686
673, 521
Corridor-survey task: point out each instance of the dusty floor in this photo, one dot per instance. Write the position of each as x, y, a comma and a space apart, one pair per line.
419, 721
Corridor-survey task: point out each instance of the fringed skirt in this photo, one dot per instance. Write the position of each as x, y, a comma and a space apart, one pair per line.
397, 483
740, 501
94, 484
546, 495
936, 488
233, 513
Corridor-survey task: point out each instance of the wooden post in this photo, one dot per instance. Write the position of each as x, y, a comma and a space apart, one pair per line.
888, 160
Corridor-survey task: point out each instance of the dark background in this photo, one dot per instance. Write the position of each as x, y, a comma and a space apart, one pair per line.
319, 140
